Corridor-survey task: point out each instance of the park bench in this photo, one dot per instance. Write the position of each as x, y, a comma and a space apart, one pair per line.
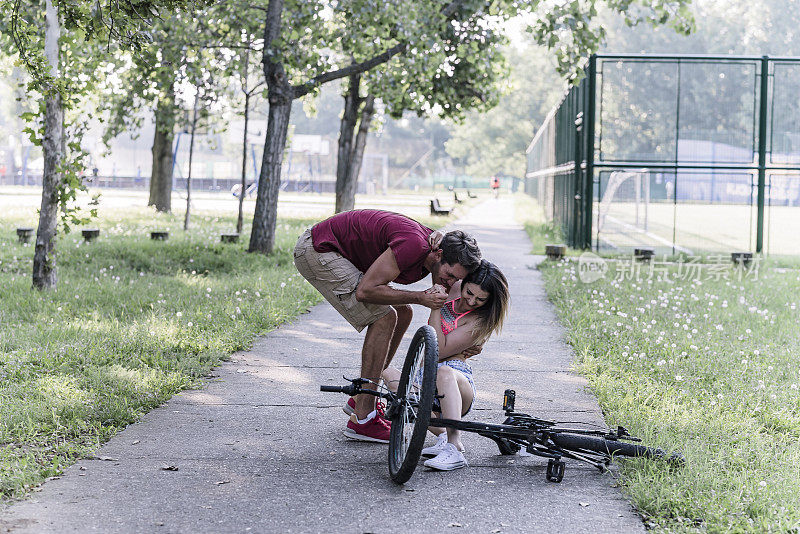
742, 259
470, 194
555, 251
229, 238
437, 209
644, 254
24, 234
90, 234
455, 197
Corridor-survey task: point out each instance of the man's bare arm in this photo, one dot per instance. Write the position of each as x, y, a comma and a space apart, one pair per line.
374, 286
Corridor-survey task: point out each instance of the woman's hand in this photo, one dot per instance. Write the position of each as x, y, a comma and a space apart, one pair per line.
436, 288
434, 297
435, 239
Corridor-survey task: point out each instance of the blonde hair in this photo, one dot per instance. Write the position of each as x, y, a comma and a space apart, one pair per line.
492, 313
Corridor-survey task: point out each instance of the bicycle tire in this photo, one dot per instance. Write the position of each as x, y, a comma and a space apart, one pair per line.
577, 443
407, 436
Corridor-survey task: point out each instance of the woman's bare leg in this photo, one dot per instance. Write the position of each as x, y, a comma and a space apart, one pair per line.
457, 398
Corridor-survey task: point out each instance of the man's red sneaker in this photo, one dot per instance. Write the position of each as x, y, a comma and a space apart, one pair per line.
350, 407
375, 430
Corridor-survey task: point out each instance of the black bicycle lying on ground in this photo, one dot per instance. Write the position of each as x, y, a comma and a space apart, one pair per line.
410, 408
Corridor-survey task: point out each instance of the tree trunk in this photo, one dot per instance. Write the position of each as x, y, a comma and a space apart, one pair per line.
280, 94
345, 191
191, 155
161, 175
44, 262
357, 157
262, 237
240, 217
243, 191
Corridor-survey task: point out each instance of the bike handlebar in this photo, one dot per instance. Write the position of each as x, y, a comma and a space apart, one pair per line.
355, 389
337, 389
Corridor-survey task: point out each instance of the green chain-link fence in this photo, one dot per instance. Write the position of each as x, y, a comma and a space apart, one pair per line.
688, 154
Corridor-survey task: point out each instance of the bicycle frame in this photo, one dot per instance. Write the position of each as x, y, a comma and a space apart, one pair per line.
517, 431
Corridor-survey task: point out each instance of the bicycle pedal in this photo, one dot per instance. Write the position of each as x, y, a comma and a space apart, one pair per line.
555, 470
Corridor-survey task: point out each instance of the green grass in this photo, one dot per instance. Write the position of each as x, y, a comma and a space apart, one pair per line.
133, 321
705, 366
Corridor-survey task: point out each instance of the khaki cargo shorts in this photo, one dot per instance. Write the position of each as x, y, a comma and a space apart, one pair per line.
336, 279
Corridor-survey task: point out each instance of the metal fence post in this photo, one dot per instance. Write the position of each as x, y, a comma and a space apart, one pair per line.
588, 152
762, 151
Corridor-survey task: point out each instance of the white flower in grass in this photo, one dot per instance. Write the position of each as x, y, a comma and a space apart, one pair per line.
763, 484
661, 362
678, 378
283, 284
189, 323
233, 317
238, 310
178, 314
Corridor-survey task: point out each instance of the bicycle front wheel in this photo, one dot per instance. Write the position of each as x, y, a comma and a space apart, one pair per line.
577, 443
416, 392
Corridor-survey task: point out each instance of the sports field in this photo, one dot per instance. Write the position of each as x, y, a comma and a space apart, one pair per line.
695, 228
25, 200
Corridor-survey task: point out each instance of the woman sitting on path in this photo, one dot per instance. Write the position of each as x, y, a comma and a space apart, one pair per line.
476, 309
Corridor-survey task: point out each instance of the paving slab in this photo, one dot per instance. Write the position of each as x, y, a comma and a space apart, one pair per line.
260, 449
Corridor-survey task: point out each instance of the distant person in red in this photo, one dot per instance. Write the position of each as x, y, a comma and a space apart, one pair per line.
495, 184
350, 259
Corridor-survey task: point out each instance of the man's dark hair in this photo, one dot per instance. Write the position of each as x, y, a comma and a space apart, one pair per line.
460, 247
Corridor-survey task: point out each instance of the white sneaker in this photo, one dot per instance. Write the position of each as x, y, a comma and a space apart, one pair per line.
447, 460
436, 448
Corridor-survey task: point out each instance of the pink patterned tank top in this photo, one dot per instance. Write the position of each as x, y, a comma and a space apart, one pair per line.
449, 316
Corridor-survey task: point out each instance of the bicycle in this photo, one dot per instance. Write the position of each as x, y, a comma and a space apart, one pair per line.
410, 408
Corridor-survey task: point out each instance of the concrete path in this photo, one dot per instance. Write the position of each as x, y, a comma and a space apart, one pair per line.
260, 449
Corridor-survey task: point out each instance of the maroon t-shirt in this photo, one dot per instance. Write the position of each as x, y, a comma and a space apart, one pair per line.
363, 235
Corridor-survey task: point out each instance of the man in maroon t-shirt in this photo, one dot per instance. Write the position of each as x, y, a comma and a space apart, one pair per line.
351, 258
